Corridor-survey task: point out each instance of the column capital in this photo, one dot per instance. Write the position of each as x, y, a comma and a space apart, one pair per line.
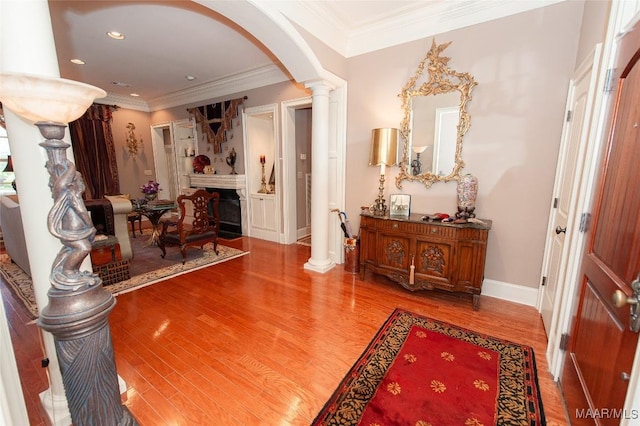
319, 86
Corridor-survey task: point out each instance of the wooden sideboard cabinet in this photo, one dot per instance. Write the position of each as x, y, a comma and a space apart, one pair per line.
444, 256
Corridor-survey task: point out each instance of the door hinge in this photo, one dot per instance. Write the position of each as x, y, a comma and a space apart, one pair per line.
608, 82
564, 341
585, 221
544, 281
569, 115
555, 203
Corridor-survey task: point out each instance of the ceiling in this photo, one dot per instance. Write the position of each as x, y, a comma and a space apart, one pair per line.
166, 41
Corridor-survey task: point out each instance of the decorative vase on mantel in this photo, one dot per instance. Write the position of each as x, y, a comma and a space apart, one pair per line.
151, 197
467, 193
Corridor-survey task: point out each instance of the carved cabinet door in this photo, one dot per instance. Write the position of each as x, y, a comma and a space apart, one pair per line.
394, 252
434, 262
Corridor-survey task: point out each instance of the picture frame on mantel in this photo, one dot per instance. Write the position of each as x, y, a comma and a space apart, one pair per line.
400, 205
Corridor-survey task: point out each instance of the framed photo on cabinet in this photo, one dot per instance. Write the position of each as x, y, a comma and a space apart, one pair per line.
400, 205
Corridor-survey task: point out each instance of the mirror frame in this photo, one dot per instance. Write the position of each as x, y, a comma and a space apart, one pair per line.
440, 79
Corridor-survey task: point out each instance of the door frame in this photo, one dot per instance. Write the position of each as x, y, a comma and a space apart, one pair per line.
288, 159
250, 167
621, 13
579, 203
161, 172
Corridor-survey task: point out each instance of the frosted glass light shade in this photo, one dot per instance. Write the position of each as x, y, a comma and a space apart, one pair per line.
420, 149
39, 98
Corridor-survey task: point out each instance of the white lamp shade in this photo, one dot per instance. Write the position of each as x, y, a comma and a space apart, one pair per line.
384, 147
39, 98
420, 149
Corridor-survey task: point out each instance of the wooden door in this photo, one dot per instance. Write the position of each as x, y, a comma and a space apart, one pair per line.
568, 177
601, 352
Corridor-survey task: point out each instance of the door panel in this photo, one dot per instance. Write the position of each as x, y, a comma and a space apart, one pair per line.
602, 347
568, 175
394, 252
434, 261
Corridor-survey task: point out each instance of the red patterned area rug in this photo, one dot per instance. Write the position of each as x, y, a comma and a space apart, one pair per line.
419, 371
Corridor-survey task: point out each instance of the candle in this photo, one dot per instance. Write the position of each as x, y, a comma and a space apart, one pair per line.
262, 159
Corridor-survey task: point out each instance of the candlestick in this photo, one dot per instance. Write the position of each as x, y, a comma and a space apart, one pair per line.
263, 188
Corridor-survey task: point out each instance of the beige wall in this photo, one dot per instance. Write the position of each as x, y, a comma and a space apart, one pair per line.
594, 27
130, 169
522, 65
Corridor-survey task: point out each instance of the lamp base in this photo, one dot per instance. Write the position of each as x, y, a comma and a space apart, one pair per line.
379, 208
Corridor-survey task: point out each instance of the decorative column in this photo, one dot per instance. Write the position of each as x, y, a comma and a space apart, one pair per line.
79, 306
319, 260
30, 22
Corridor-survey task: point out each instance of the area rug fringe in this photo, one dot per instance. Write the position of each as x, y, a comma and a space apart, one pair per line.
172, 275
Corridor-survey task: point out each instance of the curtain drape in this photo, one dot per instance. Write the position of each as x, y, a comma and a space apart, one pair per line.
215, 120
94, 151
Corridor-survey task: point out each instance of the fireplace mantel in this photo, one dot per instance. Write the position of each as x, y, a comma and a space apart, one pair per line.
218, 181
236, 182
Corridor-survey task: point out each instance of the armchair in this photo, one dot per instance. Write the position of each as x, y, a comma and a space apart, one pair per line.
198, 224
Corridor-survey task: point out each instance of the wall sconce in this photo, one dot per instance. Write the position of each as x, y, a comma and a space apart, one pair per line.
416, 165
384, 152
77, 314
133, 144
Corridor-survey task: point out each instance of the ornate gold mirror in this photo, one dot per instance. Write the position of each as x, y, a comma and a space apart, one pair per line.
435, 120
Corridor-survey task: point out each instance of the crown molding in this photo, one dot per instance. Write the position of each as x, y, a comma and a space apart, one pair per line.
124, 101
254, 78
417, 20
251, 79
435, 19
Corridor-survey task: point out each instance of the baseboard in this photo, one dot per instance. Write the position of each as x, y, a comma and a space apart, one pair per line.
511, 292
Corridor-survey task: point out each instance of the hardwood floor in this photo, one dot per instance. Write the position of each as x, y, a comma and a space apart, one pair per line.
259, 340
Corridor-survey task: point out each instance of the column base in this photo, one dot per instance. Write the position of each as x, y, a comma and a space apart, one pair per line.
56, 408
322, 267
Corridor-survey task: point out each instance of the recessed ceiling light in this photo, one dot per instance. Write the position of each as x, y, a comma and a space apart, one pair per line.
77, 61
190, 77
120, 84
135, 95
115, 35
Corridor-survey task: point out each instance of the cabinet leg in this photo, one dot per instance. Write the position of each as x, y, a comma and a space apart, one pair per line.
476, 302
362, 271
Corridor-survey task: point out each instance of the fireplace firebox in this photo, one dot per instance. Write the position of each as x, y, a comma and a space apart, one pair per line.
230, 212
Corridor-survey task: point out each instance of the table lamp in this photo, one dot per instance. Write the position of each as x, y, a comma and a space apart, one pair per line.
79, 306
384, 152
